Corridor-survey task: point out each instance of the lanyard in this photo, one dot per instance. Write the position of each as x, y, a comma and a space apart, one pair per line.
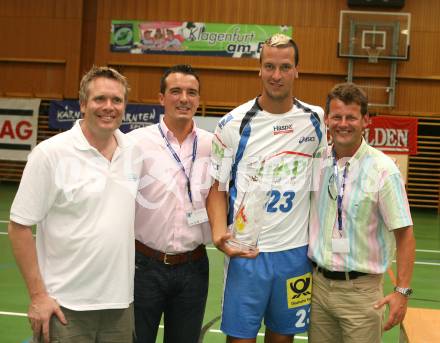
176, 157
340, 188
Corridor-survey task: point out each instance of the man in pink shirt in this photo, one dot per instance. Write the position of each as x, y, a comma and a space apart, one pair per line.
171, 225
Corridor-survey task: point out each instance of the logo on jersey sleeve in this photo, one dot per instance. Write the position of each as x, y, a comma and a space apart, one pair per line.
224, 121
221, 160
217, 149
299, 290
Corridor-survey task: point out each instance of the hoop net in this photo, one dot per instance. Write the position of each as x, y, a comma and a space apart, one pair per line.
373, 54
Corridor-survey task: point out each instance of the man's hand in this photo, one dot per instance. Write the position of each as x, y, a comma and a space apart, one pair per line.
223, 245
41, 309
397, 304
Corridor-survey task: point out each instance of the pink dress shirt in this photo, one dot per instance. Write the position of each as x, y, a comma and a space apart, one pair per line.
162, 201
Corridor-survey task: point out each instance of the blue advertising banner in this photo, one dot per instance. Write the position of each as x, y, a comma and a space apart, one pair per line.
62, 115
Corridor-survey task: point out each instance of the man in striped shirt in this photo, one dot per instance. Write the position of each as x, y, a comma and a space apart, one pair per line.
359, 214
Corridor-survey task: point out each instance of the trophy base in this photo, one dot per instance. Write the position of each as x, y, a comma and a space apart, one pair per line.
243, 246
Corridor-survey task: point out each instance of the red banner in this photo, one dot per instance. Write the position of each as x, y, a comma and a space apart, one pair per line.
18, 127
394, 135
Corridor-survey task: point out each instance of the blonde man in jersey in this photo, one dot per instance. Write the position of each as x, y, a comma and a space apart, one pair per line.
270, 141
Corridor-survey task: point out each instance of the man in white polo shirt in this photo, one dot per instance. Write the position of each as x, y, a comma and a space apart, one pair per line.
79, 189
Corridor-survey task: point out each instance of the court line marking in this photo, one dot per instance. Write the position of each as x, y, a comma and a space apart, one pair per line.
17, 314
394, 261
416, 262
428, 263
433, 251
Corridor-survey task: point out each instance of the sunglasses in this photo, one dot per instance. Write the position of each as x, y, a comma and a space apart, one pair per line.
332, 189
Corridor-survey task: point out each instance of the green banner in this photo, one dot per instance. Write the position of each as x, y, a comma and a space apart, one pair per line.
190, 38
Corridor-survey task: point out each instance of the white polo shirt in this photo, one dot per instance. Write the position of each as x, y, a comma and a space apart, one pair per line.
83, 206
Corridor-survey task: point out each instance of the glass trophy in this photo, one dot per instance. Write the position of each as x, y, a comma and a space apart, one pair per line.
249, 218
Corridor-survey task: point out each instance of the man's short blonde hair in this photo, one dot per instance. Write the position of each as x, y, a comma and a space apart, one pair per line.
96, 72
280, 40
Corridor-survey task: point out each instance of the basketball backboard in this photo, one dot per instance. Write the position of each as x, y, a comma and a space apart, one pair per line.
374, 35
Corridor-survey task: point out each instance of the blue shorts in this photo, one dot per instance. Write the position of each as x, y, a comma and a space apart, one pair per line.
275, 285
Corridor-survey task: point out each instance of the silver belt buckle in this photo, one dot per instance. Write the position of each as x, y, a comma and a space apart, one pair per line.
165, 259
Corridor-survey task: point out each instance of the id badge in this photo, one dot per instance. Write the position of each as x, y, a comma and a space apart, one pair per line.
195, 217
340, 245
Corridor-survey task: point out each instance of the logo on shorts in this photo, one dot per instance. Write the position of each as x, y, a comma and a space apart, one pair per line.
299, 290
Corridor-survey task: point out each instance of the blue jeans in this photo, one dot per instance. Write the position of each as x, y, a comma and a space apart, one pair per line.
178, 291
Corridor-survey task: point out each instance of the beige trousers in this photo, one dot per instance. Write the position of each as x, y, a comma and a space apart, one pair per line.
342, 311
103, 326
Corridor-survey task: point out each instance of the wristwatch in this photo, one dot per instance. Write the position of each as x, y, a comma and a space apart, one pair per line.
404, 291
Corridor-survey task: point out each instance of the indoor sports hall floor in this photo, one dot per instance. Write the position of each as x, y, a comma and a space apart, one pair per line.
13, 296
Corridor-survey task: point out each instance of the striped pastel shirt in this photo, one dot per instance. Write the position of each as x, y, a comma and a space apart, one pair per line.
374, 204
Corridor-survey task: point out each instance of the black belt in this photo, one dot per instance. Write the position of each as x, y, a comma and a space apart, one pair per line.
338, 275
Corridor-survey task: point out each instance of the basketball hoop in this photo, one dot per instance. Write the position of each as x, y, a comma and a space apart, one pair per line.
373, 54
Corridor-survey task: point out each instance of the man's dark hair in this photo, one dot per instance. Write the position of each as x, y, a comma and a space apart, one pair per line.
348, 93
178, 68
